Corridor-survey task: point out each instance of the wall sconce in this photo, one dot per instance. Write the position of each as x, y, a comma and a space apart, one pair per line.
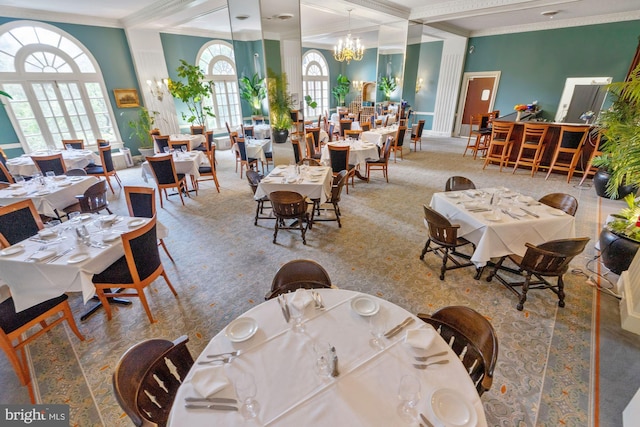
158, 87
398, 80
357, 85
419, 84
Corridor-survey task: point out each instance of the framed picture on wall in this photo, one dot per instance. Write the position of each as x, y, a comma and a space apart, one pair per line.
126, 98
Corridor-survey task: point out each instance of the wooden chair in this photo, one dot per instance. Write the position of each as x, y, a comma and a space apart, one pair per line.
290, 205
3, 157
16, 331
93, 200
398, 142
147, 378
562, 201
164, 173
365, 126
245, 162
263, 203
73, 144
590, 170
444, 236
18, 221
138, 268
310, 142
209, 173
103, 142
179, 145
472, 337
500, 145
106, 169
531, 147
550, 259
315, 131
257, 119
296, 274
197, 130
416, 135
5, 175
76, 172
297, 154
479, 135
53, 162
331, 132
161, 142
336, 190
383, 162
570, 143
232, 137
141, 202
354, 134
457, 183
345, 124
247, 131
339, 159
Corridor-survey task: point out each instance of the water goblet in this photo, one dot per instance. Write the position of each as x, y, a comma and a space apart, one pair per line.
19, 179
377, 326
166, 150
409, 395
246, 391
297, 314
322, 350
183, 148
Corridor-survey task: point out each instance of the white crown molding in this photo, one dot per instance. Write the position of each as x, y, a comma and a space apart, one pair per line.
155, 11
553, 24
67, 18
463, 8
383, 6
197, 32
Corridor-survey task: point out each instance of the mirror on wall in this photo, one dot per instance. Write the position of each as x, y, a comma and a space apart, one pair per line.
392, 44
581, 96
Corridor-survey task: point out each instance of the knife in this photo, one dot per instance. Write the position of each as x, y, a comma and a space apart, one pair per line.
282, 307
393, 331
210, 399
214, 407
506, 212
426, 420
530, 213
224, 355
286, 307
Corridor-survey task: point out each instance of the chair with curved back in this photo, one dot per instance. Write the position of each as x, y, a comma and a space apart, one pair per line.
245, 161
352, 133
197, 130
472, 337
290, 205
383, 162
76, 172
345, 124
416, 135
179, 145
73, 144
3, 156
15, 325
549, 259
339, 159
93, 200
5, 175
444, 236
457, 183
147, 378
297, 154
138, 268
531, 147
208, 172
53, 162
365, 126
398, 142
106, 169
570, 143
18, 221
315, 131
141, 202
336, 190
164, 173
102, 142
296, 274
562, 201
500, 144
310, 142
254, 179
161, 142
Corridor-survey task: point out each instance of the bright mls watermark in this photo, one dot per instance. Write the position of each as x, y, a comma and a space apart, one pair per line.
34, 415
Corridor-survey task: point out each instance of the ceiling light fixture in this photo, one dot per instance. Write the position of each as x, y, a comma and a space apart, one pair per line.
283, 16
242, 17
349, 49
549, 13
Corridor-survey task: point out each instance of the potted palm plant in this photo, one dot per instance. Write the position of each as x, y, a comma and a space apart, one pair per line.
620, 238
141, 130
387, 85
192, 91
341, 89
279, 106
253, 91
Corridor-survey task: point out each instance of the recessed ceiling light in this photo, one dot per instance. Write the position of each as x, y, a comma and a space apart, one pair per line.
550, 13
242, 17
283, 16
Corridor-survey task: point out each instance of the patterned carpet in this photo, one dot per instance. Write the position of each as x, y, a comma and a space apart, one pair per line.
224, 266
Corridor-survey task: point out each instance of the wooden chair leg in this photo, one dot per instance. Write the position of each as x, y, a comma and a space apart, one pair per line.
161, 243
166, 279
104, 301
145, 305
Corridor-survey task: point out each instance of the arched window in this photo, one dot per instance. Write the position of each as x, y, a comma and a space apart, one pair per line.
218, 63
57, 88
315, 81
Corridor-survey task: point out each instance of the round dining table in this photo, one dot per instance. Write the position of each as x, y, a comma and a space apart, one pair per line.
290, 391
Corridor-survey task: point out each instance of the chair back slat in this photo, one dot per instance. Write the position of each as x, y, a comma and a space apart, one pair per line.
300, 273
94, 198
552, 258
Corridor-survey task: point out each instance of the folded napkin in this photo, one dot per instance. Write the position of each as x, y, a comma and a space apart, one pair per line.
420, 338
209, 380
301, 298
42, 255
47, 233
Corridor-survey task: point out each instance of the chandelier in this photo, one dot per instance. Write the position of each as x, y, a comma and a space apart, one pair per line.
348, 49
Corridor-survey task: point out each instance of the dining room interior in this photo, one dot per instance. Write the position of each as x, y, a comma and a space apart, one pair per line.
383, 104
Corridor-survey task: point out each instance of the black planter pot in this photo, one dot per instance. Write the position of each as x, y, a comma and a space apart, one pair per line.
600, 181
616, 251
280, 136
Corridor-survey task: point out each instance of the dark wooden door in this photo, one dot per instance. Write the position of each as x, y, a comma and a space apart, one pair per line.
478, 99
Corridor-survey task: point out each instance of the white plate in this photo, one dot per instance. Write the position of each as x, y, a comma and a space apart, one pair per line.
111, 237
47, 234
275, 173
365, 306
136, 222
43, 192
452, 195
76, 178
314, 179
64, 184
59, 177
492, 216
241, 329
108, 218
74, 259
556, 212
16, 185
452, 409
19, 193
84, 217
12, 250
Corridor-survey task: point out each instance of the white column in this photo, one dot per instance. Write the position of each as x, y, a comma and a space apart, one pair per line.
291, 54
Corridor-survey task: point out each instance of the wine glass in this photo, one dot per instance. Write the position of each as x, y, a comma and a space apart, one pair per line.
166, 150
409, 395
50, 175
19, 179
183, 148
297, 314
377, 326
246, 391
322, 350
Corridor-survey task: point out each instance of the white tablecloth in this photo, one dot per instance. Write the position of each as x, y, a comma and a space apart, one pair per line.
194, 140
262, 131
506, 235
358, 153
306, 183
379, 136
73, 159
186, 163
34, 282
289, 391
54, 195
256, 148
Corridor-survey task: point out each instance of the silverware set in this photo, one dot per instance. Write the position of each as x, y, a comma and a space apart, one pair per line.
284, 306
506, 212
396, 329
60, 255
426, 365
317, 299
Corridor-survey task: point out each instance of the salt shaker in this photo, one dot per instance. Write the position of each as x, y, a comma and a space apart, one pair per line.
334, 362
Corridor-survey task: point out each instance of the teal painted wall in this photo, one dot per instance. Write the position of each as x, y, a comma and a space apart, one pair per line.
272, 56
411, 63
110, 48
535, 65
429, 70
390, 66
243, 52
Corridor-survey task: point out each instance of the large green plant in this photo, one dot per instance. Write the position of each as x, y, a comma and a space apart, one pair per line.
341, 89
387, 85
141, 127
620, 127
3, 93
279, 102
253, 91
192, 92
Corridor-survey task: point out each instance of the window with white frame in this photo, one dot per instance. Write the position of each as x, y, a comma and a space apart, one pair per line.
57, 88
217, 61
315, 82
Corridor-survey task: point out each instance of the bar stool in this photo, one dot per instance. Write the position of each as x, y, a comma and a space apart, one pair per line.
533, 142
481, 132
590, 170
570, 142
501, 144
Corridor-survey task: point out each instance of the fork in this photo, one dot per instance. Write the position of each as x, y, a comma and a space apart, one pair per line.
41, 248
426, 365
215, 361
317, 299
424, 358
